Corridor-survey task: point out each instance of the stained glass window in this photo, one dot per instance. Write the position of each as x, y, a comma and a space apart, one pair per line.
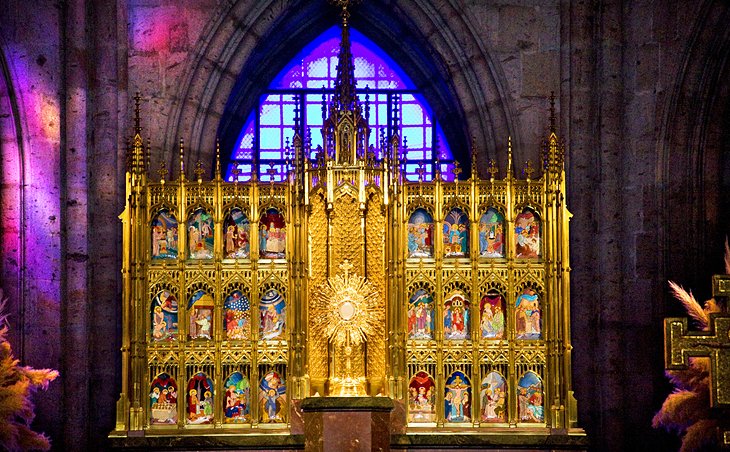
306, 84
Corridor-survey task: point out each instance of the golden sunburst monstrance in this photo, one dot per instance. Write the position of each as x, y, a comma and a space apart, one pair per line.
346, 308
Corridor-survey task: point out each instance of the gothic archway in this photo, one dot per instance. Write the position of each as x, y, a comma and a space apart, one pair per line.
240, 47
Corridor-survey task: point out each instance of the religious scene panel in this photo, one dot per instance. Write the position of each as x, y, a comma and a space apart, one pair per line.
199, 408
237, 404
457, 398
528, 315
164, 322
200, 315
164, 235
530, 398
237, 316
422, 398
456, 233
272, 309
420, 234
491, 233
272, 234
493, 398
163, 400
456, 316
272, 399
200, 235
527, 234
492, 310
421, 316
237, 239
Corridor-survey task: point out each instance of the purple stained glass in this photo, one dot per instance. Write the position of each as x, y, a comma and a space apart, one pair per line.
313, 69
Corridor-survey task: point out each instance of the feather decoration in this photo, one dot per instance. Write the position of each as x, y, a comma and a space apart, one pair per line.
703, 435
681, 409
693, 308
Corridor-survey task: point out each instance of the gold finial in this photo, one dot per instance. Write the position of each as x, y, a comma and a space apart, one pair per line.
235, 172
529, 170
346, 266
182, 159
199, 171
509, 156
137, 126
456, 170
145, 160
553, 128
420, 170
474, 171
217, 159
162, 172
492, 170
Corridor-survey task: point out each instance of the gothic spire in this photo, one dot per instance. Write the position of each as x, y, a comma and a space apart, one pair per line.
345, 97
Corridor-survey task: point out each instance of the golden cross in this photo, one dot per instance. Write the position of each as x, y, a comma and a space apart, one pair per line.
721, 286
346, 266
681, 344
162, 171
492, 170
528, 170
456, 170
199, 171
271, 172
235, 172
420, 170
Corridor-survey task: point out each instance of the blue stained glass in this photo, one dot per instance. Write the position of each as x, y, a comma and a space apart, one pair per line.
315, 67
270, 138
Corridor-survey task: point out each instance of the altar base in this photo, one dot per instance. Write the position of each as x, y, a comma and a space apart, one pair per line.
347, 423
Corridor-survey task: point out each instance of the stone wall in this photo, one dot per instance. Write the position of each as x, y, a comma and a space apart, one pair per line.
642, 89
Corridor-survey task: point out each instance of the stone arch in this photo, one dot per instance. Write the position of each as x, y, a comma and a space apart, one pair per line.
694, 154
438, 48
12, 200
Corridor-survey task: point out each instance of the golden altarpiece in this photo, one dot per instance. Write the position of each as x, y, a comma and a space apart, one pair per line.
242, 299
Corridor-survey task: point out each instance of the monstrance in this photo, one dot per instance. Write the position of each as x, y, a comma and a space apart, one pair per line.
347, 308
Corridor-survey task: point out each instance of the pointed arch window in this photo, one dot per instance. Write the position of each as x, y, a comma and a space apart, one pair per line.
295, 99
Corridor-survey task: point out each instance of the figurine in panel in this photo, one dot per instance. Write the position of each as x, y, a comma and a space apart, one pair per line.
200, 315
272, 234
421, 315
457, 398
491, 234
528, 321
456, 316
493, 398
421, 401
420, 234
238, 399
272, 309
237, 316
492, 309
236, 228
200, 400
164, 317
164, 235
456, 233
527, 234
200, 235
529, 398
272, 399
163, 400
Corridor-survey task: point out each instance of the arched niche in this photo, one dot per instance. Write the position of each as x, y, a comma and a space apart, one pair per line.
252, 40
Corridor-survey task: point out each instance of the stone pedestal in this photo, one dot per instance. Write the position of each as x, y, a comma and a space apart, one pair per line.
347, 423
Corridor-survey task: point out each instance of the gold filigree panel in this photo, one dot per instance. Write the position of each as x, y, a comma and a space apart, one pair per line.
375, 257
317, 242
